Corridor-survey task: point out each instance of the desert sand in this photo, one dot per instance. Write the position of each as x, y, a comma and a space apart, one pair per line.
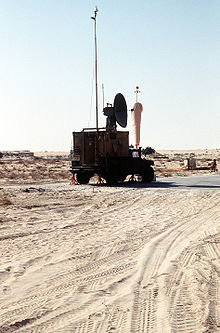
116, 259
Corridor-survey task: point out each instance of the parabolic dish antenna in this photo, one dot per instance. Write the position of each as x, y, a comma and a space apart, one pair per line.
120, 110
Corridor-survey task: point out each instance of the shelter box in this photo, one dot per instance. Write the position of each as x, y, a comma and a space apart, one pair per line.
89, 146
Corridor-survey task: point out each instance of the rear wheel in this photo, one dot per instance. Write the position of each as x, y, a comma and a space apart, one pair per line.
83, 177
113, 177
147, 175
121, 178
111, 180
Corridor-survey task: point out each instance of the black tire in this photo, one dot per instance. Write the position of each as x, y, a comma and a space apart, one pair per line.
147, 175
111, 177
121, 178
110, 180
83, 177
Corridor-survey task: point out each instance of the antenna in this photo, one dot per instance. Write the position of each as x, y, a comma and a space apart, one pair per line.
96, 66
120, 108
137, 91
103, 96
116, 113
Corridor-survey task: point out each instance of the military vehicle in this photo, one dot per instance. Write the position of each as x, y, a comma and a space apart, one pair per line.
105, 151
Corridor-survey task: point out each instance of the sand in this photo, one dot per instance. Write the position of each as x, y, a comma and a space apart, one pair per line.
100, 259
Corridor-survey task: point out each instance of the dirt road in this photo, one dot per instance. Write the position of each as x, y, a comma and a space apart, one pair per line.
88, 259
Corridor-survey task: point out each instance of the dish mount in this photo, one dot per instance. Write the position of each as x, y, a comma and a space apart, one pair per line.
116, 113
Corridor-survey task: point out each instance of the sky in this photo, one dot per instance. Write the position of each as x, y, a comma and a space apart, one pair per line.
170, 49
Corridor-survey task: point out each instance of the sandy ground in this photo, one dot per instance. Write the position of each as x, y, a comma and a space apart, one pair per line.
98, 259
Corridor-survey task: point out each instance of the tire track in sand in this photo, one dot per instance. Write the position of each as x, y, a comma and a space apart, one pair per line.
98, 289
172, 310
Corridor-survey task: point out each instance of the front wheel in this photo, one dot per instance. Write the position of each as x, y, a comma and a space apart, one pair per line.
147, 175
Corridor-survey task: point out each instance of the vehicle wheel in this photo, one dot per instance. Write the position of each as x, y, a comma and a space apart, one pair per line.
148, 175
121, 178
111, 179
83, 177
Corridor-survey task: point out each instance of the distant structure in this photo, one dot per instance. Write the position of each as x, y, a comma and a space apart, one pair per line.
190, 163
17, 153
136, 119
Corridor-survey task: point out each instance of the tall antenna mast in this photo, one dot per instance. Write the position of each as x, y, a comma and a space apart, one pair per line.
96, 67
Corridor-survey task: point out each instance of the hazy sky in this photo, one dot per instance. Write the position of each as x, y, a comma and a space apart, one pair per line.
170, 48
